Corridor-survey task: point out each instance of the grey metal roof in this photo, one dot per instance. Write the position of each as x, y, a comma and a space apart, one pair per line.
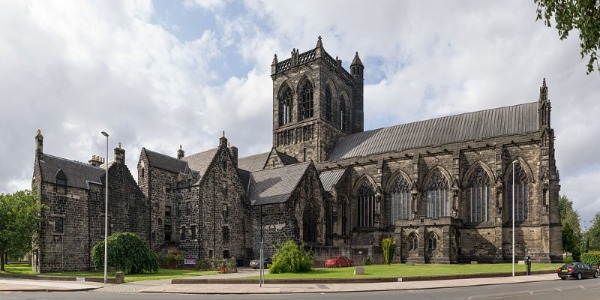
330, 178
165, 162
200, 161
275, 185
78, 174
253, 163
510, 120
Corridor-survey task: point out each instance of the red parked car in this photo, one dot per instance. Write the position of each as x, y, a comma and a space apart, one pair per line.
338, 261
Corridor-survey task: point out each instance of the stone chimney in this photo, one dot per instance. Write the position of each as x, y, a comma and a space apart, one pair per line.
180, 152
96, 161
233, 150
39, 143
119, 154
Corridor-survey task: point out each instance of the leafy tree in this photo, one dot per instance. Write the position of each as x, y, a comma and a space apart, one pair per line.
127, 252
19, 221
389, 249
290, 257
570, 224
583, 15
593, 234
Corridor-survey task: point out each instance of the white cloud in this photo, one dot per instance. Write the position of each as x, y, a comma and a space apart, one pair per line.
74, 69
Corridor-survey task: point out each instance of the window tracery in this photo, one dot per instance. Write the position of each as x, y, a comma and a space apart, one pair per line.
478, 197
285, 107
521, 192
401, 200
366, 205
438, 198
306, 101
413, 242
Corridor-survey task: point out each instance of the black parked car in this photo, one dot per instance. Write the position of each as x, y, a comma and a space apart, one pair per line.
255, 264
577, 270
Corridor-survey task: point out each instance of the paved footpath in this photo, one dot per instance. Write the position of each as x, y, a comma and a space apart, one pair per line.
164, 286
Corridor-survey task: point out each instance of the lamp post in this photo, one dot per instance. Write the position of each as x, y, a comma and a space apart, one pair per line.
261, 273
106, 211
513, 218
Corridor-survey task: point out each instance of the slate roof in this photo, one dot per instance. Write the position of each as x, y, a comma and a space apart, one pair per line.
275, 185
510, 120
286, 159
330, 178
78, 174
253, 163
200, 161
165, 162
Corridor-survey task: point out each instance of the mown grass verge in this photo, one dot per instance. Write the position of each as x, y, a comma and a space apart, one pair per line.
403, 270
25, 269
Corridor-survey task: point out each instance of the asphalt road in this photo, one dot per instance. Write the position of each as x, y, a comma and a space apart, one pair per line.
546, 290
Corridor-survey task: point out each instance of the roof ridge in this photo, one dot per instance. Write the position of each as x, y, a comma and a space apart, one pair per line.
72, 161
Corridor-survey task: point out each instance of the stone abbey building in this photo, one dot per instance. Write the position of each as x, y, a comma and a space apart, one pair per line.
442, 188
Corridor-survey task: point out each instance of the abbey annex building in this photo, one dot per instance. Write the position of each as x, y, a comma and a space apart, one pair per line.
442, 188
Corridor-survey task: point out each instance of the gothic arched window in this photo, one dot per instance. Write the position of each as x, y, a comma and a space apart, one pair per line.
61, 182
401, 200
309, 221
413, 242
306, 101
366, 205
432, 242
328, 104
285, 107
521, 193
342, 115
478, 197
438, 198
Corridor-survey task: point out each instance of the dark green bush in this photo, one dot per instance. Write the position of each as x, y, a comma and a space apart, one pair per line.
389, 249
290, 257
367, 261
127, 252
591, 258
576, 254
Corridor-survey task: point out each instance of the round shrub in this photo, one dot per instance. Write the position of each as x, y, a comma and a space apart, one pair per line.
290, 257
127, 252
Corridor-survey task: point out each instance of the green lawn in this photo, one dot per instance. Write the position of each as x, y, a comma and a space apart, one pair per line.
162, 273
372, 271
19, 269
402, 270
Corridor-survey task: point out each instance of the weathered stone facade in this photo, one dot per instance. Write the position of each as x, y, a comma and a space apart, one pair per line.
442, 188
73, 196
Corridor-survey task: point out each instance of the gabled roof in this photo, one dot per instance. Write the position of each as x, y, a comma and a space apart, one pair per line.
253, 163
78, 174
165, 162
200, 161
275, 185
286, 159
510, 120
330, 178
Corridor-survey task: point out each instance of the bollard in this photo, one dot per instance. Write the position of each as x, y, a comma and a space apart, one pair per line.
119, 277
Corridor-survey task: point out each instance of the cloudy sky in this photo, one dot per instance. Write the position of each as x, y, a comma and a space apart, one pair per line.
158, 74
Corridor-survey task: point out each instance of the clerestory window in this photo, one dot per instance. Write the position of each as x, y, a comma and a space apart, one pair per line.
438, 198
401, 204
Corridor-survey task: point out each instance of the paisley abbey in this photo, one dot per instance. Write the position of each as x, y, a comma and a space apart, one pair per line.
446, 189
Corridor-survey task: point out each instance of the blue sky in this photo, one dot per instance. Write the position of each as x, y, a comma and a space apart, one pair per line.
168, 73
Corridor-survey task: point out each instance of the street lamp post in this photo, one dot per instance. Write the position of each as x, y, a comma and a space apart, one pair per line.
106, 211
513, 218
